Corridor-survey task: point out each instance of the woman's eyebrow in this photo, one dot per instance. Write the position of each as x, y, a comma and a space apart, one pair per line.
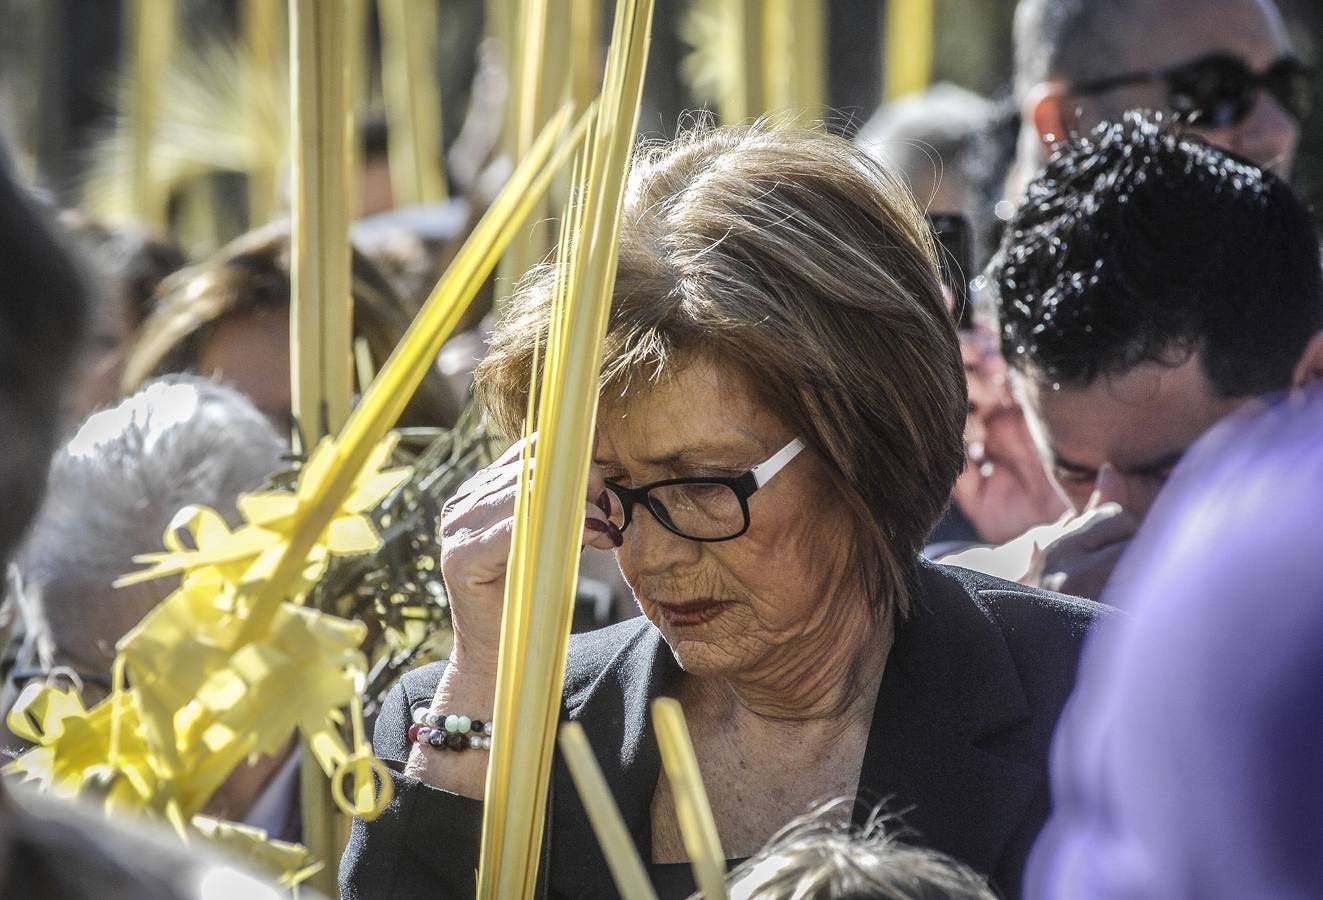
709, 452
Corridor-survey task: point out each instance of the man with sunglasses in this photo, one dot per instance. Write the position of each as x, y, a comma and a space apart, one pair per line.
1149, 287
1224, 67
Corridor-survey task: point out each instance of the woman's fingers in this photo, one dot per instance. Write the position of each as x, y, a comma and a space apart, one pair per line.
489, 543
478, 522
495, 498
597, 493
489, 484
477, 527
479, 482
598, 531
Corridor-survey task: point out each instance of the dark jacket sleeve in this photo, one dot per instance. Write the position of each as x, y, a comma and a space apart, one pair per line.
426, 842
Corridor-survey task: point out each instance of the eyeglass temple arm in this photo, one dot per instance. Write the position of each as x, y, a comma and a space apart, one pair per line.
763, 472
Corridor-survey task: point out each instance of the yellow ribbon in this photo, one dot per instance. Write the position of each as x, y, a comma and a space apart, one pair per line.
190, 701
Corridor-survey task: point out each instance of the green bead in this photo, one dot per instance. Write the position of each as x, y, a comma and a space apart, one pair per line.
464, 724
452, 723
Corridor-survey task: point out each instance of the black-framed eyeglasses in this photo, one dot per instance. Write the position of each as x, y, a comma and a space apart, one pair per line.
1220, 90
701, 509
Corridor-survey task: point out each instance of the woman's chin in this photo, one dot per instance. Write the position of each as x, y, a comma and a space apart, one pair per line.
700, 650
699, 657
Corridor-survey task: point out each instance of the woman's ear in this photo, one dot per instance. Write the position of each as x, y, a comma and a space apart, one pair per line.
1309, 370
1049, 108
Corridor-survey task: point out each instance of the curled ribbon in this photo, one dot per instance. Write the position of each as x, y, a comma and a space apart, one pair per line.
191, 699
368, 802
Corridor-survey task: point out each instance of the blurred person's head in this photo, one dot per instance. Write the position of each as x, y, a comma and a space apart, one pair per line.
228, 318
44, 299
1187, 762
133, 262
1226, 65
1003, 490
113, 491
1150, 285
943, 141
820, 856
127, 265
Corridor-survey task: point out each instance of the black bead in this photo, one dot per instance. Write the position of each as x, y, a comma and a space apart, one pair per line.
457, 741
475, 727
437, 739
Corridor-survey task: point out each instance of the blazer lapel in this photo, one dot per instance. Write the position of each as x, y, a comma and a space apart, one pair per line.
949, 691
614, 710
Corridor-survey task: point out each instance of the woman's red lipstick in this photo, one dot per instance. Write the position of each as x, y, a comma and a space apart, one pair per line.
687, 615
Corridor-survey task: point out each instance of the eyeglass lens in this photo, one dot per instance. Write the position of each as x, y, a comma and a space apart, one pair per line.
1221, 92
706, 511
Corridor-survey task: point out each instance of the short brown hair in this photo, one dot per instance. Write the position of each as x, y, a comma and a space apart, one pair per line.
252, 273
792, 257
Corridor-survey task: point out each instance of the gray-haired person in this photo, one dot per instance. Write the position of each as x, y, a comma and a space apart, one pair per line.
946, 143
112, 492
822, 856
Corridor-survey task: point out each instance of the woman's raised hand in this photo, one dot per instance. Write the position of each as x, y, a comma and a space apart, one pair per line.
476, 527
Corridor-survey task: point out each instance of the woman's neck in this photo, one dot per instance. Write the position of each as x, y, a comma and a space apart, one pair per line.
830, 673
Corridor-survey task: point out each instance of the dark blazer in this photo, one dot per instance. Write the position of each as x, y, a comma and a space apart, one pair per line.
972, 689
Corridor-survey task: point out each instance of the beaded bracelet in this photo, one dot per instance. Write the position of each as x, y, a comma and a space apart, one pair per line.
449, 732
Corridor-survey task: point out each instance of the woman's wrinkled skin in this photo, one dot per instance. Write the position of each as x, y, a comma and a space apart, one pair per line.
790, 661
785, 588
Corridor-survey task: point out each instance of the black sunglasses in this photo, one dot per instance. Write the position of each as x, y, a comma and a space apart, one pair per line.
1219, 90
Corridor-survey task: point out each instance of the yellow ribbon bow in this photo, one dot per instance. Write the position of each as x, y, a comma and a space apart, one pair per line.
190, 700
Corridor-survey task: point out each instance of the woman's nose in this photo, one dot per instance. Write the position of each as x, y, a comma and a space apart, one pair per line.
651, 549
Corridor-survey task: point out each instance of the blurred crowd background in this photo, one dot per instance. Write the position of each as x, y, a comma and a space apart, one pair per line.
58, 59
192, 273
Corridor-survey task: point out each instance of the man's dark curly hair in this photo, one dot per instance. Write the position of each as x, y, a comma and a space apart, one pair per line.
1138, 244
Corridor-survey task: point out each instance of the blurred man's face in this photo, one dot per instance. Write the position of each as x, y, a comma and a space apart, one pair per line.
1120, 437
1177, 32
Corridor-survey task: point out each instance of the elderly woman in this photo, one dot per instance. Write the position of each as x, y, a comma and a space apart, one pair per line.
781, 415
